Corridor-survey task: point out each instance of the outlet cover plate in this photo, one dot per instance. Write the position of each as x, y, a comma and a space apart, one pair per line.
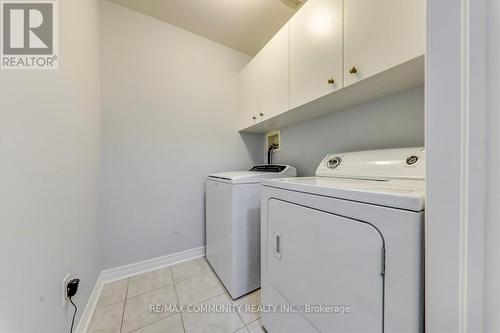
65, 282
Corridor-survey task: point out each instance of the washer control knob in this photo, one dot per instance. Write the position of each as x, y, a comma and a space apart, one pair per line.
334, 162
412, 160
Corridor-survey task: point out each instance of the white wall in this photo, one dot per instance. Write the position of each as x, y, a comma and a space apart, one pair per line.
492, 287
390, 122
443, 137
49, 154
169, 119
456, 166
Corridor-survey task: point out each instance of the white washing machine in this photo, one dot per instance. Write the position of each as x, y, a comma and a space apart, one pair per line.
350, 240
233, 225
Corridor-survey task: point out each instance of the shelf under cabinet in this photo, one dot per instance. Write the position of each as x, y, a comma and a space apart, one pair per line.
408, 75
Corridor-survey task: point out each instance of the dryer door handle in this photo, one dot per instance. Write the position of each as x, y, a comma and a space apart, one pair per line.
277, 244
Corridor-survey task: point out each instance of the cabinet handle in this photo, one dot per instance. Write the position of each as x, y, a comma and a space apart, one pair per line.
331, 81
254, 118
261, 114
277, 244
353, 70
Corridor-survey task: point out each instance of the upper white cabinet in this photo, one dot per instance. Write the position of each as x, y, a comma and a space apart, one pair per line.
380, 34
265, 81
315, 51
332, 55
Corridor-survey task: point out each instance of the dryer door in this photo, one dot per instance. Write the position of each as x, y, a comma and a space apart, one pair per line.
318, 258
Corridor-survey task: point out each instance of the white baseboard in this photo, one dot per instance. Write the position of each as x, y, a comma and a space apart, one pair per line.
123, 272
84, 322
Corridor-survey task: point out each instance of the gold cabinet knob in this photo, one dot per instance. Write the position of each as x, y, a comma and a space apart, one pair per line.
261, 114
331, 81
353, 70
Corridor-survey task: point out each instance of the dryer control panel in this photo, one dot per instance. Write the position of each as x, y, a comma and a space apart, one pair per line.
404, 163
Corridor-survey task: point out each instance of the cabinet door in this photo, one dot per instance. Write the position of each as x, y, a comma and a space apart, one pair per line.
248, 95
380, 34
265, 81
315, 51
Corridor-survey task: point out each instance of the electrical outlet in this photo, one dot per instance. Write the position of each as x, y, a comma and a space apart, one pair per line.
65, 282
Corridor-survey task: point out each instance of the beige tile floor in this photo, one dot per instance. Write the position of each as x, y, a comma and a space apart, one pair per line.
124, 306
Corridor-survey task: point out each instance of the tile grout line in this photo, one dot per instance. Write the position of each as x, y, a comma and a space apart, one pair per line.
244, 328
208, 299
110, 304
154, 322
155, 289
165, 286
151, 290
253, 321
193, 276
124, 305
168, 315
176, 294
178, 301
226, 292
174, 313
237, 313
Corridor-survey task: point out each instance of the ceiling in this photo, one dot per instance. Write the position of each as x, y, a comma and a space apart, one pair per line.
244, 25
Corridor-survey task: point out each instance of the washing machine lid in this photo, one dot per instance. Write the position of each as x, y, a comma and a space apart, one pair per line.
256, 174
396, 193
